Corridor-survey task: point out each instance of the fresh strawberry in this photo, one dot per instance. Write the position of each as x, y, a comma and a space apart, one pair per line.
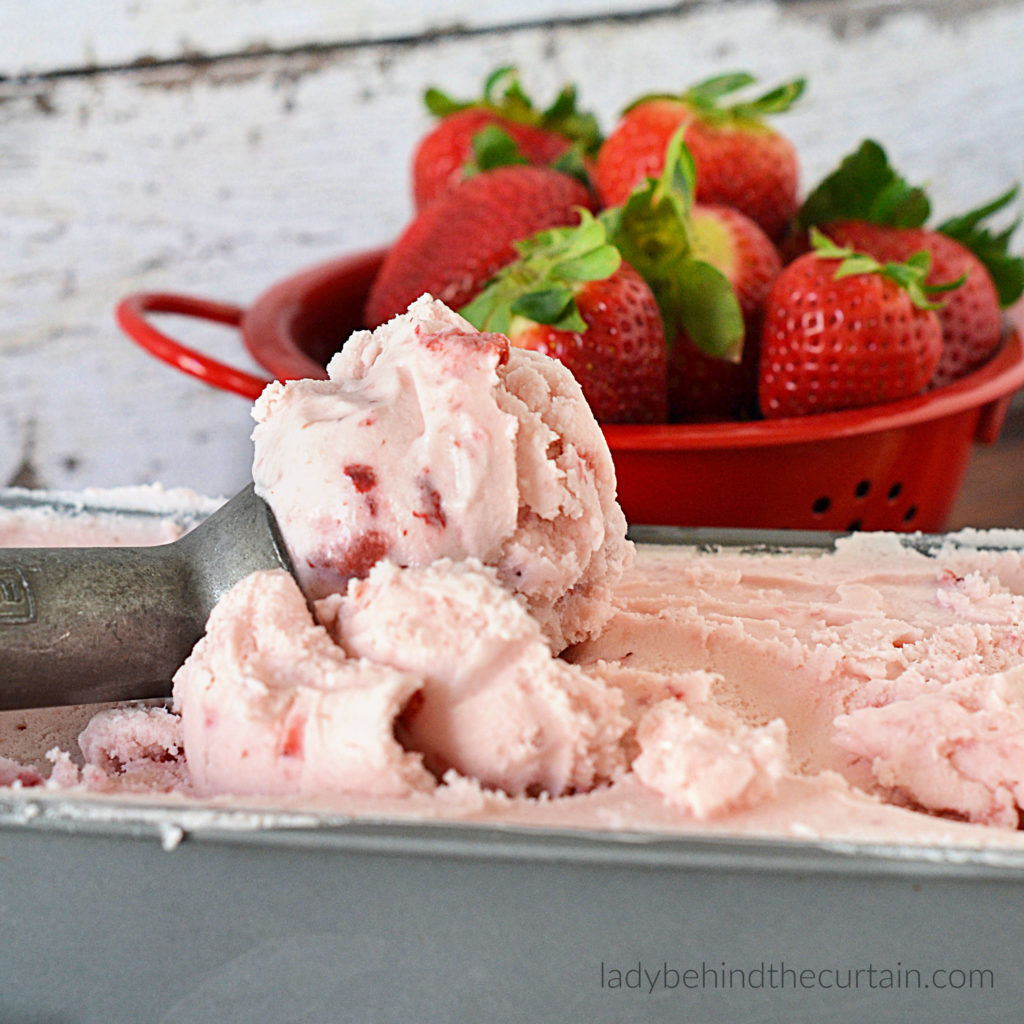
741, 161
571, 296
866, 205
501, 127
456, 244
842, 330
971, 317
710, 268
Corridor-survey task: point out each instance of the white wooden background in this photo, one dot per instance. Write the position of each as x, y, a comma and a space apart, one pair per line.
215, 146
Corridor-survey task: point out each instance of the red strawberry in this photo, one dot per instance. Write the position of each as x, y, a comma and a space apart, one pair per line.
970, 316
455, 245
741, 161
570, 296
522, 133
710, 268
843, 331
867, 206
701, 386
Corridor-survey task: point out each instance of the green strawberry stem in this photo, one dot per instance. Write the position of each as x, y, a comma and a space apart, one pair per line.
909, 275
541, 286
503, 95
653, 231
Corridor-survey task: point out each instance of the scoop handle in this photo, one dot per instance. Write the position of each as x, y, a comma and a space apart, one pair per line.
82, 625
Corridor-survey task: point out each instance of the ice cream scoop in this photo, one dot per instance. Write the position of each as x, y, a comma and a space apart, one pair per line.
82, 625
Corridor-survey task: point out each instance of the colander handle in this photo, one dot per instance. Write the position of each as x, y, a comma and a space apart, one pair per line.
990, 420
131, 313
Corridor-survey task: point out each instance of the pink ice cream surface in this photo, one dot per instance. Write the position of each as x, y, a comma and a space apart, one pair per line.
494, 705
433, 440
708, 770
442, 657
269, 704
764, 691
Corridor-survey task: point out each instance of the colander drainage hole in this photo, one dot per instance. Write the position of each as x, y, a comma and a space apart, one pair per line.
910, 513
895, 491
821, 505
857, 524
861, 490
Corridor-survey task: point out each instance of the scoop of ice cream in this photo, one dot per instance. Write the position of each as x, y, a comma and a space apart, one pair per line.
955, 750
433, 440
708, 769
494, 704
14, 774
270, 705
134, 747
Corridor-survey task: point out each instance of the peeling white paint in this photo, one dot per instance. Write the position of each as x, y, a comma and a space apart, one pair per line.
220, 179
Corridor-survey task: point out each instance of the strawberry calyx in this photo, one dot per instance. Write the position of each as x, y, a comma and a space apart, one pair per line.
866, 187
909, 275
991, 247
653, 231
541, 286
494, 147
706, 97
504, 96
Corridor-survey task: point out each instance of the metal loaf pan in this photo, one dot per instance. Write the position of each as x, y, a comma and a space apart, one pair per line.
166, 911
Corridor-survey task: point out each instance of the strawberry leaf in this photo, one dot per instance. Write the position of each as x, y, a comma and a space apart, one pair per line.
909, 275
554, 306
704, 95
991, 248
775, 101
566, 118
705, 98
709, 310
503, 94
573, 163
865, 187
652, 230
541, 285
440, 104
493, 147
595, 265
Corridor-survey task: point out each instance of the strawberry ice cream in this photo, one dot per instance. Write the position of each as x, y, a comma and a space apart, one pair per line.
431, 440
494, 704
870, 692
269, 704
471, 637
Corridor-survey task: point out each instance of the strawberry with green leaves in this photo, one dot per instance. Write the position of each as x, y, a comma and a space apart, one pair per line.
455, 245
741, 160
710, 268
868, 206
571, 296
842, 331
501, 127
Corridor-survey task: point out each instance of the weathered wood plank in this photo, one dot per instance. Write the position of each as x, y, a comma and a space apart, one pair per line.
221, 178
105, 33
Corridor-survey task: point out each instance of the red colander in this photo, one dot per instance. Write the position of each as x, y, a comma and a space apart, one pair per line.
896, 466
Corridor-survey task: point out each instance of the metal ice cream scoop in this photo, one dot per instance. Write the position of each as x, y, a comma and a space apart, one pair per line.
83, 625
